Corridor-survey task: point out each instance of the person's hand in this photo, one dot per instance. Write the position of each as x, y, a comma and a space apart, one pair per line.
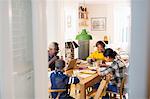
109, 76
52, 60
98, 71
49, 69
93, 59
103, 65
90, 60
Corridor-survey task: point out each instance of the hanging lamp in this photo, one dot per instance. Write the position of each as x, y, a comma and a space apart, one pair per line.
84, 35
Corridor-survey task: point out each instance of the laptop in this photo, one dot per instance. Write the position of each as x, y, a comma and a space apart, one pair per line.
72, 64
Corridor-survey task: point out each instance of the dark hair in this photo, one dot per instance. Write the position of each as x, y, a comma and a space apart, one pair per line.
56, 46
59, 64
109, 52
100, 43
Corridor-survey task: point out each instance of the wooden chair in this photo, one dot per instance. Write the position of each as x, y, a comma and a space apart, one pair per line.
121, 89
59, 91
102, 88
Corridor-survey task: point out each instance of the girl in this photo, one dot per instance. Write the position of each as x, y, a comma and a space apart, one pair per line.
117, 69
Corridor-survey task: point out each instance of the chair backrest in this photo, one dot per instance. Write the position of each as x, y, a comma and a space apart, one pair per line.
102, 88
56, 90
59, 91
121, 90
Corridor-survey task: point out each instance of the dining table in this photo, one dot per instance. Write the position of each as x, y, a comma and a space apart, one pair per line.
87, 75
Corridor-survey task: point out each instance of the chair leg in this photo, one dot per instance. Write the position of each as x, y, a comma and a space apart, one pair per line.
124, 97
113, 96
121, 96
110, 96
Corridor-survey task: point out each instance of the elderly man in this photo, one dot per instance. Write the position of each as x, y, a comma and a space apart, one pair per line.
52, 54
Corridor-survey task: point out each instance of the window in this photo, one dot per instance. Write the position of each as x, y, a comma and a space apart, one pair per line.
122, 27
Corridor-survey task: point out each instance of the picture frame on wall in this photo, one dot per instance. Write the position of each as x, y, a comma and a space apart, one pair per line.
98, 24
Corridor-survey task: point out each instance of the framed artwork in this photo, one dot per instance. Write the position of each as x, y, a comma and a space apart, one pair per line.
98, 24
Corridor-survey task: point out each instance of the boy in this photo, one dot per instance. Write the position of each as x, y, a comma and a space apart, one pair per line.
61, 81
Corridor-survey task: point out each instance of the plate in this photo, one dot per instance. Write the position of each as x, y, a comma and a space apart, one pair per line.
92, 67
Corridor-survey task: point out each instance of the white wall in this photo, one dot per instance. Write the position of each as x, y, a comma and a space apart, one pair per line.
122, 25
58, 12
55, 23
101, 10
70, 11
52, 20
114, 25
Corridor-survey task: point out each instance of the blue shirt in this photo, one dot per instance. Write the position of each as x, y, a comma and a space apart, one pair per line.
61, 81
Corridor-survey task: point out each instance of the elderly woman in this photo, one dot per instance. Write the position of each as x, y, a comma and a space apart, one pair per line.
52, 54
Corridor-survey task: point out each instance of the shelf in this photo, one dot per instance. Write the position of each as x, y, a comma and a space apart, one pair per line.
83, 16
83, 12
84, 19
83, 25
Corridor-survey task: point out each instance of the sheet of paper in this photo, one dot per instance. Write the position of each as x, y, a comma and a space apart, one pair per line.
87, 71
84, 75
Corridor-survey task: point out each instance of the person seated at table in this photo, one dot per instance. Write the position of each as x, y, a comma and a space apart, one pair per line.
52, 54
117, 69
61, 81
97, 55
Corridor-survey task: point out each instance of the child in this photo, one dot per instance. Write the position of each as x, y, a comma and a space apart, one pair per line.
97, 55
61, 81
117, 69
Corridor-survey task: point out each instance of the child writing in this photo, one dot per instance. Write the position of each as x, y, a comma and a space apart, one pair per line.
97, 55
117, 69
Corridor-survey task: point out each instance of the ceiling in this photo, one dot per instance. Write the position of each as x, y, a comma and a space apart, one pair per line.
104, 1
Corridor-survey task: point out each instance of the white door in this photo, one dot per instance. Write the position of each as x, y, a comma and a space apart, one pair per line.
23, 53
22, 49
